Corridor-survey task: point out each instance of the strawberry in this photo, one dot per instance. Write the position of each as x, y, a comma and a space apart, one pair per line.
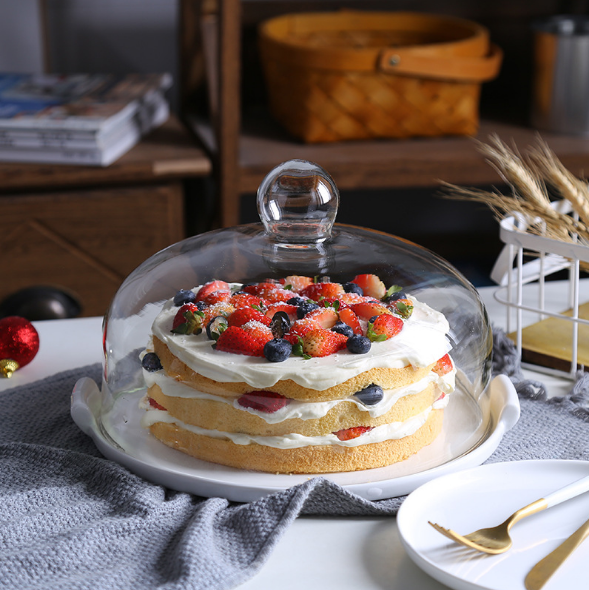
320, 342
260, 333
334, 302
443, 366
367, 309
188, 320
237, 341
354, 432
371, 285
155, 405
217, 297
349, 299
401, 307
263, 401
245, 300
211, 287
384, 327
222, 308
323, 317
349, 317
244, 315
318, 290
300, 328
278, 296
289, 310
297, 283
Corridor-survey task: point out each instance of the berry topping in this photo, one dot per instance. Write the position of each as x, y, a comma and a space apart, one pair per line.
216, 327
353, 288
296, 300
184, 296
155, 405
247, 314
151, 362
289, 310
393, 293
211, 287
384, 327
402, 307
188, 320
263, 401
241, 299
305, 308
358, 344
351, 319
260, 333
237, 341
321, 342
277, 350
297, 283
323, 317
219, 296
300, 328
443, 366
370, 395
368, 309
344, 329
223, 308
354, 432
280, 324
318, 290
371, 285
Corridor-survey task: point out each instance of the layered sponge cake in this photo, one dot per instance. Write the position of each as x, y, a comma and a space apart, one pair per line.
297, 376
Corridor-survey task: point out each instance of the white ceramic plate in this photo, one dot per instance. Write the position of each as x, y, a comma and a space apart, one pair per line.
485, 496
119, 437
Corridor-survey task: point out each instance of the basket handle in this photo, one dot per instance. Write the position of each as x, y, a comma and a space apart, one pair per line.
408, 61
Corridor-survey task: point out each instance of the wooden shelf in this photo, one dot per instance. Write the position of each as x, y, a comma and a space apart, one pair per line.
419, 162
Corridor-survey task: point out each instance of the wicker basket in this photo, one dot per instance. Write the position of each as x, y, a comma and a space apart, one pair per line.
359, 75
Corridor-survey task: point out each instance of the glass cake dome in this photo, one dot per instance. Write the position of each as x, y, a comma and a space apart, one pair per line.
297, 203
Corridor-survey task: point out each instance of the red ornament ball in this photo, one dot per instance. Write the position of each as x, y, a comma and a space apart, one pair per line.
19, 340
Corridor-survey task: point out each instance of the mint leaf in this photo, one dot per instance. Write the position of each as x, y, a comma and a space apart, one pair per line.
391, 290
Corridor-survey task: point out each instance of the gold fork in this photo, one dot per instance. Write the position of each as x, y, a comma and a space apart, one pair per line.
496, 539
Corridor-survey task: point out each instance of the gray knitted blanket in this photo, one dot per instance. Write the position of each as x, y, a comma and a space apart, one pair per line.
71, 519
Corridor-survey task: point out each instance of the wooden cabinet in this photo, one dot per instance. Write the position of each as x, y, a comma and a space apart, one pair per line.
84, 229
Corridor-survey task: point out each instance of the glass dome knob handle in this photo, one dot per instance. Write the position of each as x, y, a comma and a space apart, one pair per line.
298, 202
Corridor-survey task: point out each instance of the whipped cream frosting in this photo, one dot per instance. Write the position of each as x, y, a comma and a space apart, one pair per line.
392, 431
305, 410
421, 342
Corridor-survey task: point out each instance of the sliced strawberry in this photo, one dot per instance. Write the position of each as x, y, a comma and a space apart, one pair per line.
318, 290
237, 341
219, 296
443, 366
263, 401
299, 329
188, 320
371, 285
297, 283
348, 316
289, 310
354, 432
211, 287
155, 405
223, 308
245, 300
323, 317
368, 309
244, 315
321, 342
384, 327
349, 298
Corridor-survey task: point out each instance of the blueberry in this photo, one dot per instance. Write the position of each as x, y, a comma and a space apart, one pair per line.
358, 344
395, 297
353, 288
216, 327
372, 319
296, 300
184, 296
342, 328
280, 324
277, 350
305, 308
370, 395
200, 305
151, 362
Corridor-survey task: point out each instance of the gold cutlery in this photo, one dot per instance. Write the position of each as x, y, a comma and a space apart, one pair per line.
496, 539
544, 569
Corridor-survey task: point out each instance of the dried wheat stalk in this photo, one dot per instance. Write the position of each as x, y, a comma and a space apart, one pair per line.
529, 198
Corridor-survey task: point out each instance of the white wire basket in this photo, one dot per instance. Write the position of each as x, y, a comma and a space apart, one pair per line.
548, 256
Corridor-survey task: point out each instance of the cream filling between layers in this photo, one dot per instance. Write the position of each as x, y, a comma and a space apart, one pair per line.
392, 431
300, 409
421, 342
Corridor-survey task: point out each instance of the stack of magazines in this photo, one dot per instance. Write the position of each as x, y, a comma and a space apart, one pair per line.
80, 118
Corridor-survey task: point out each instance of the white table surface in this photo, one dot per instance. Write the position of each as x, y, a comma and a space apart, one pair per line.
316, 552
